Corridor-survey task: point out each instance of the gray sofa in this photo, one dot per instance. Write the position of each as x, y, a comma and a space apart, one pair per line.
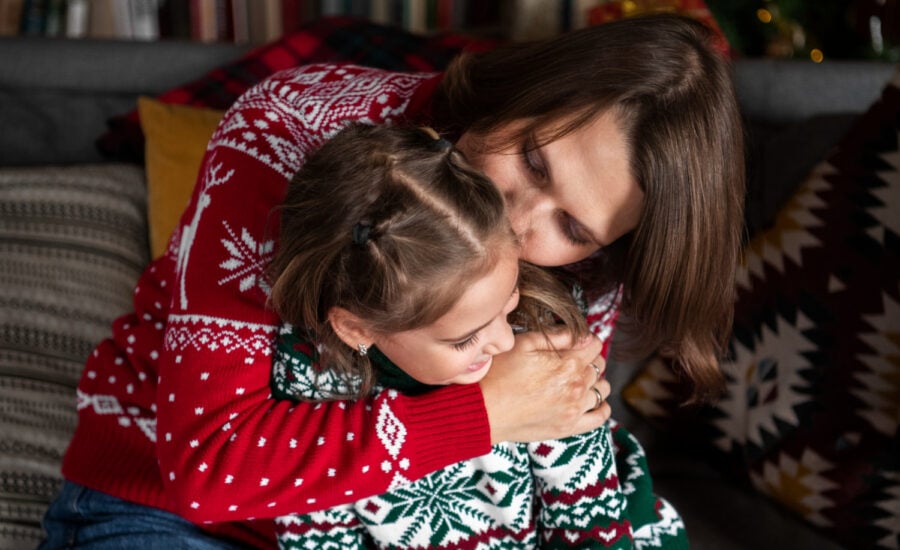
55, 96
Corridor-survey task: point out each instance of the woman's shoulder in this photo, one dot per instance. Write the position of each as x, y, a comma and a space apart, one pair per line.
347, 73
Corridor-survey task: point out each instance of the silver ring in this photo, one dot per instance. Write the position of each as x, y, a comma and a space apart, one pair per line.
599, 397
598, 371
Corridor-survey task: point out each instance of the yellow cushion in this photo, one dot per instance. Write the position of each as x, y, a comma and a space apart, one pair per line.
175, 141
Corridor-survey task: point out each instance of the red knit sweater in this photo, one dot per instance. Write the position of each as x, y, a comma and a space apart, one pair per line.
185, 378
175, 408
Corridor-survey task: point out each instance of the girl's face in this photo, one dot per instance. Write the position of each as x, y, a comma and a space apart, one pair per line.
459, 347
569, 198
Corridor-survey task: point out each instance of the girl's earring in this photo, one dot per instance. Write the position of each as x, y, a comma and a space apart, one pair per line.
363, 350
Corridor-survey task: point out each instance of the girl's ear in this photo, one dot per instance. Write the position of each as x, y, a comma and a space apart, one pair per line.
352, 330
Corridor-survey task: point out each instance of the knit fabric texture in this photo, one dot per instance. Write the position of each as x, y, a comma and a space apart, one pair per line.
176, 404
591, 490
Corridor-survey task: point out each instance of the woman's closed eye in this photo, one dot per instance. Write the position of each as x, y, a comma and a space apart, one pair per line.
534, 163
573, 230
467, 343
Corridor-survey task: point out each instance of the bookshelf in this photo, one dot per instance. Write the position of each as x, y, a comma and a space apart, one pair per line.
261, 21
237, 21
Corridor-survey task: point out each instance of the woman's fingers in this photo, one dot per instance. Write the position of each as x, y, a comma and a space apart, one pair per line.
558, 340
542, 388
597, 395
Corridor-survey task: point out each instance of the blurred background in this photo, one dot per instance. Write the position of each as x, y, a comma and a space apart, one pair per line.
817, 30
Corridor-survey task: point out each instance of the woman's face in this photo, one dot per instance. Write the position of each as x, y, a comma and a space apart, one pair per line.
568, 198
458, 348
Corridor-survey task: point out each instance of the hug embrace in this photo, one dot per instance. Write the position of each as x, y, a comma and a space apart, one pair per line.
324, 359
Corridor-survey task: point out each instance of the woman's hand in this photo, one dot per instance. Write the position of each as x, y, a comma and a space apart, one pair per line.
536, 392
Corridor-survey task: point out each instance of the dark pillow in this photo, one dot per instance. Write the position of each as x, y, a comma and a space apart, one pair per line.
811, 416
779, 158
328, 39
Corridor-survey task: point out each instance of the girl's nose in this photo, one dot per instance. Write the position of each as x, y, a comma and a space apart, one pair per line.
500, 337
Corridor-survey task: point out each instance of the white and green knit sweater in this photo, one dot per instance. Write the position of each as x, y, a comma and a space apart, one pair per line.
587, 491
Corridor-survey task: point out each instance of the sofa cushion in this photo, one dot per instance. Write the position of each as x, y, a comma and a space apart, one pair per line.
811, 416
328, 39
72, 243
175, 141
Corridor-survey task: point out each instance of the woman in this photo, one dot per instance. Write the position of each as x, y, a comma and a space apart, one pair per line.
619, 151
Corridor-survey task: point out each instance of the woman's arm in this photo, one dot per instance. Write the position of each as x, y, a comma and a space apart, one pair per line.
541, 389
228, 451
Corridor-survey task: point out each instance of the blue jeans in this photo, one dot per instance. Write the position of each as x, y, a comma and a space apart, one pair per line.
87, 519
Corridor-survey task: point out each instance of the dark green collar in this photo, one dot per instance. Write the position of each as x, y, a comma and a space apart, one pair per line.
390, 375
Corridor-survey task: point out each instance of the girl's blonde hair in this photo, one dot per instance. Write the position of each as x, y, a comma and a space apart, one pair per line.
392, 225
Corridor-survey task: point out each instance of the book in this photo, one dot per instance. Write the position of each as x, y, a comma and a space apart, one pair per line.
10, 17
240, 22
76, 20
532, 20
109, 19
55, 17
224, 24
144, 19
264, 20
34, 17
203, 21
175, 19
415, 16
380, 11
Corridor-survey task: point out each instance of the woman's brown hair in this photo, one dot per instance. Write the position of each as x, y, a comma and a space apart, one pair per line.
673, 98
392, 225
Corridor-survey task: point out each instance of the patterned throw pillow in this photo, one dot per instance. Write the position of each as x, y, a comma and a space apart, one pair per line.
812, 412
328, 39
73, 241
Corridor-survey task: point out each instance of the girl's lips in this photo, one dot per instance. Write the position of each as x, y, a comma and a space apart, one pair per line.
480, 365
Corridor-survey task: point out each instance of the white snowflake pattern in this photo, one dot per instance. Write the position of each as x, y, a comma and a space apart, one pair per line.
247, 258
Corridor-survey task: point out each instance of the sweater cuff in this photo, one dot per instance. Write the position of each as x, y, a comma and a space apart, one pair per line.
446, 426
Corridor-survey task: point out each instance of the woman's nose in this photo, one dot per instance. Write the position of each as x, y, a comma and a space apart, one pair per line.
524, 208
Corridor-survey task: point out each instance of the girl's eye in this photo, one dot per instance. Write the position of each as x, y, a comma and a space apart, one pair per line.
467, 343
573, 230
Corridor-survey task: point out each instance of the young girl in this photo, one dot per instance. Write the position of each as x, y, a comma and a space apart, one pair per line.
397, 258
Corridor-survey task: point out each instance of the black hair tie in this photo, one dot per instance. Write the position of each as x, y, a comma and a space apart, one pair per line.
441, 144
437, 142
361, 232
